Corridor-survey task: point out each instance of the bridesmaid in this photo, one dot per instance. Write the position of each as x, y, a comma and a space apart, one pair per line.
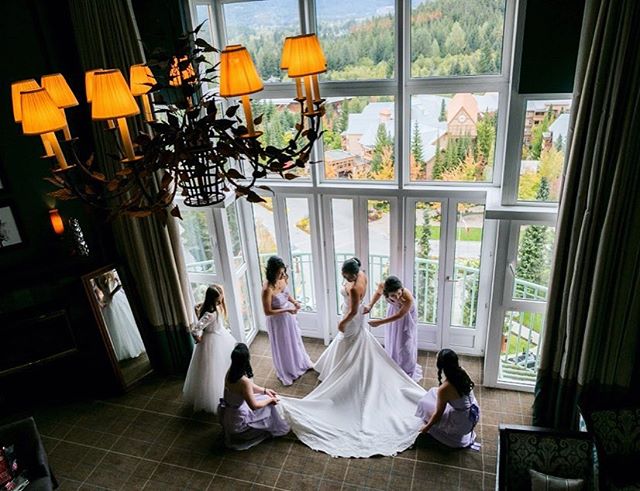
450, 411
401, 334
247, 413
287, 349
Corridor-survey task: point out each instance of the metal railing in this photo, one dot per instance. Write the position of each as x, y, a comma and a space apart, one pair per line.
520, 351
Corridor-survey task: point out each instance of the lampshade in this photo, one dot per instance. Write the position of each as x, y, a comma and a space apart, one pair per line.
305, 56
56, 221
88, 83
16, 89
59, 90
286, 53
111, 97
39, 113
238, 74
140, 79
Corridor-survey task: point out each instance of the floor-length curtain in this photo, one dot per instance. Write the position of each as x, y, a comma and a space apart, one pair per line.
591, 339
107, 37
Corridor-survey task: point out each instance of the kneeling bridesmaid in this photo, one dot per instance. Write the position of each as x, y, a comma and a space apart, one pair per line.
248, 413
450, 411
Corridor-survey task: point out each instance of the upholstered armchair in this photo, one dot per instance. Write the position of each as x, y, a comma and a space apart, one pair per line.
564, 454
615, 427
30, 453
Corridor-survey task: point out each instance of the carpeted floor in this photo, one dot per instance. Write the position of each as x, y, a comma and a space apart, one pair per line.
147, 439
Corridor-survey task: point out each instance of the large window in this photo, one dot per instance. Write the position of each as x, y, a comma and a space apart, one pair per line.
422, 129
544, 143
455, 37
453, 137
358, 139
358, 38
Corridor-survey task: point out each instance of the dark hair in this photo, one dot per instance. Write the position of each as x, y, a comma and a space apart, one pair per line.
448, 363
274, 264
240, 363
351, 266
391, 284
211, 301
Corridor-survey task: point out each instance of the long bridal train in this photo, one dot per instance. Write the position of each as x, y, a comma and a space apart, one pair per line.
365, 405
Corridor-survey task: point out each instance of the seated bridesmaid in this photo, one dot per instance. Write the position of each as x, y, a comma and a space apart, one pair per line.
450, 411
247, 413
401, 330
289, 355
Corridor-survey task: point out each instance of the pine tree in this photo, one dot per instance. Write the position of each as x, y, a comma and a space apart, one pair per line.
416, 145
443, 112
531, 266
383, 141
560, 143
486, 64
424, 244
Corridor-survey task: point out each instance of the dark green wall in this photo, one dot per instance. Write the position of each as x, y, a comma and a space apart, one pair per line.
43, 275
550, 45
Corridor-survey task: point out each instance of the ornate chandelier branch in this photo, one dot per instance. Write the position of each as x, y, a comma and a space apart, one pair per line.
198, 146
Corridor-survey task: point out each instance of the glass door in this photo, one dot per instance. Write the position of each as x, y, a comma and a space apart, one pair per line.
467, 287
286, 226
447, 268
365, 228
234, 269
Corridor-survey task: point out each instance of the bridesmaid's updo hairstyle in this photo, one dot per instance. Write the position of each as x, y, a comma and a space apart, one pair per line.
240, 363
448, 363
212, 298
351, 266
274, 265
391, 284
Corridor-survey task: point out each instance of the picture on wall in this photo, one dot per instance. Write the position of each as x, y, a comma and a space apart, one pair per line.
9, 231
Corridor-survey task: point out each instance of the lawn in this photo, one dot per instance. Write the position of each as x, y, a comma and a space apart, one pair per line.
472, 234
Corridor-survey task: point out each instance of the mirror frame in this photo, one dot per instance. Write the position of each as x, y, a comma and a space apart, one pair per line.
104, 333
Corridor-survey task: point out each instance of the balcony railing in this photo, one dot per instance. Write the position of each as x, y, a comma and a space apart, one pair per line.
522, 330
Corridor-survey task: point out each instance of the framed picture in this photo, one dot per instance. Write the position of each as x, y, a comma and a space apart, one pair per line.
10, 234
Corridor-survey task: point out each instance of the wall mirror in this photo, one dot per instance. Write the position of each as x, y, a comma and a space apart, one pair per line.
117, 324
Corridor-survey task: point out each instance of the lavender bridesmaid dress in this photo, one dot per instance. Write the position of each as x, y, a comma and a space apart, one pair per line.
401, 340
455, 428
289, 355
245, 428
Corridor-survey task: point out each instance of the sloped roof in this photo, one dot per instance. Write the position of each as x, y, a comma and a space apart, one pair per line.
560, 127
464, 101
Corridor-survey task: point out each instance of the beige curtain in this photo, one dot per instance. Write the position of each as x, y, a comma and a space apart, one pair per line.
107, 37
591, 340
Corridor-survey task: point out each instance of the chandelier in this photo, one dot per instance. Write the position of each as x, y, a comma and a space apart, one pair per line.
194, 142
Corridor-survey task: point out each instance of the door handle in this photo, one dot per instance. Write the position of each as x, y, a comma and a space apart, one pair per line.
451, 280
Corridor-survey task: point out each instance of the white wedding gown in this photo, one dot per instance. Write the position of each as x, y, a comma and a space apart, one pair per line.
122, 327
365, 404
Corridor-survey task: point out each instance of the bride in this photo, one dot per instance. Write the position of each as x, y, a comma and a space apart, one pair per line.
365, 404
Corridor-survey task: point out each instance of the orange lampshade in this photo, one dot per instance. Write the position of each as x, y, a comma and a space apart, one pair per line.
56, 221
16, 89
59, 90
140, 79
39, 113
111, 97
286, 53
305, 56
238, 74
88, 83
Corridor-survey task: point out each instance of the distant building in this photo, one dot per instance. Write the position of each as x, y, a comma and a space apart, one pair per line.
462, 114
536, 111
342, 163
